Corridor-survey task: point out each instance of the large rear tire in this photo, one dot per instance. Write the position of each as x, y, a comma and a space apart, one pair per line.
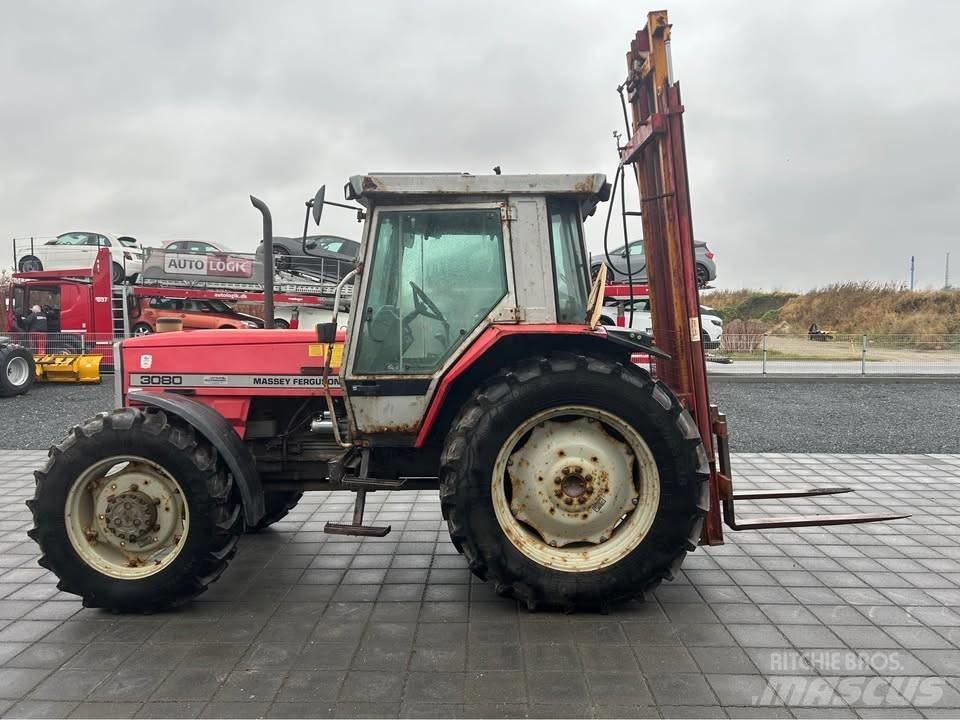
17, 370
598, 486
134, 512
277, 505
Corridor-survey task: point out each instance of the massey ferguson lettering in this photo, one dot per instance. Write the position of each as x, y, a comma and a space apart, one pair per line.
295, 381
233, 381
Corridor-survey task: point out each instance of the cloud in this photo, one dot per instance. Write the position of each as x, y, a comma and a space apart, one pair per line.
821, 137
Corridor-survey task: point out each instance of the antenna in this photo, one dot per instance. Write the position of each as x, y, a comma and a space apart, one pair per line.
912, 267
946, 273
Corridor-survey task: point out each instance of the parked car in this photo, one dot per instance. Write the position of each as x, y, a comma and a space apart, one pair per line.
193, 246
331, 257
196, 315
706, 267
79, 250
711, 326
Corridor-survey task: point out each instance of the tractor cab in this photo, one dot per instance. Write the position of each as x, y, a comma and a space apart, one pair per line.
445, 257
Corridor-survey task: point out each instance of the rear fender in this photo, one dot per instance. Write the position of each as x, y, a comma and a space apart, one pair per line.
502, 345
218, 432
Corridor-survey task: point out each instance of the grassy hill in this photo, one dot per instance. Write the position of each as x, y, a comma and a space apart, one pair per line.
869, 308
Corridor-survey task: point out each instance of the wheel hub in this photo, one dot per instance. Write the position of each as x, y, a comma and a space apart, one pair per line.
126, 517
572, 482
131, 515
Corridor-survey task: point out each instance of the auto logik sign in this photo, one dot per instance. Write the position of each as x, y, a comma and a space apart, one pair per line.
209, 265
171, 266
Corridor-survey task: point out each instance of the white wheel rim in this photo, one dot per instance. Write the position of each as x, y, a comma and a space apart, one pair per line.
126, 517
18, 371
581, 499
142, 330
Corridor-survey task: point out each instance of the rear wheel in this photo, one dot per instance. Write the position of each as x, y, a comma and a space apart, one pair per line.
30, 263
703, 275
281, 323
598, 485
277, 505
142, 329
117, 273
134, 512
17, 370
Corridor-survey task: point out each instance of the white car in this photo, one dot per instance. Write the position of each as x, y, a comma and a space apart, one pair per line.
711, 326
79, 250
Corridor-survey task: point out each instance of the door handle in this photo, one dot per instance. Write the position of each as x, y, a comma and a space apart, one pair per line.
365, 388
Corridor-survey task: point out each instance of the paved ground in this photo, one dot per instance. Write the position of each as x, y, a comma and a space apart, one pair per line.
764, 416
839, 622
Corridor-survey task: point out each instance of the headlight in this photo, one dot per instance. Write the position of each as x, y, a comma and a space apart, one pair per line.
718, 323
250, 323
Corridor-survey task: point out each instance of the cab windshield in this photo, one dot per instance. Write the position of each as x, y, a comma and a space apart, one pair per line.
435, 275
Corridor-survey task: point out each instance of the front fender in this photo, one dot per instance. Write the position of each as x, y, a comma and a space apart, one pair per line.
222, 436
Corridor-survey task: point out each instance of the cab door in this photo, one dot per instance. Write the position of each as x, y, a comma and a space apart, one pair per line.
433, 279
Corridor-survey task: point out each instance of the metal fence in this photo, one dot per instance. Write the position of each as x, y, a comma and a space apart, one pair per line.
836, 354
69, 343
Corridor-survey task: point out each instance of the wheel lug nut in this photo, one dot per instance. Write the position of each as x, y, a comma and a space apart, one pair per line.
636, 501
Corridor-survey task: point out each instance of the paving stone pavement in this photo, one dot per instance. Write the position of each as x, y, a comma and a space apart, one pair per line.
846, 621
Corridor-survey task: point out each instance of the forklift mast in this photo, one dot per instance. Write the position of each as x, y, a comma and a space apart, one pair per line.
657, 153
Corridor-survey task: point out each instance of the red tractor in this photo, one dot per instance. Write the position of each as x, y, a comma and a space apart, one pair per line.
473, 363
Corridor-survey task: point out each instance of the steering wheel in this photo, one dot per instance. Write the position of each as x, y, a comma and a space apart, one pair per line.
423, 305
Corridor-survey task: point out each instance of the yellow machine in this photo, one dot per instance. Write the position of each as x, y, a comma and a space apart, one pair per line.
68, 368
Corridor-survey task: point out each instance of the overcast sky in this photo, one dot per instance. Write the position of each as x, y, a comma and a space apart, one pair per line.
823, 137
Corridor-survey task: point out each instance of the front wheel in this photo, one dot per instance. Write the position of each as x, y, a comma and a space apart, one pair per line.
574, 482
17, 370
142, 329
134, 512
281, 324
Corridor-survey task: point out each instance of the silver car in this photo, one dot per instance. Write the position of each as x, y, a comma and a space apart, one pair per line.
617, 267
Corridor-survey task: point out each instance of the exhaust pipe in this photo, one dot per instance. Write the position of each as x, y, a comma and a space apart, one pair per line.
267, 260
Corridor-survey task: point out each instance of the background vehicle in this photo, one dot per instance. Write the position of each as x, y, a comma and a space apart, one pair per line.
77, 250
197, 314
193, 246
568, 477
328, 257
616, 313
706, 266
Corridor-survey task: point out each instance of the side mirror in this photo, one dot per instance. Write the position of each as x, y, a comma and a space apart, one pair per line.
315, 208
318, 204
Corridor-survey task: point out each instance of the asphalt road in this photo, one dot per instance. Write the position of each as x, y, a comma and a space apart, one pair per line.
764, 416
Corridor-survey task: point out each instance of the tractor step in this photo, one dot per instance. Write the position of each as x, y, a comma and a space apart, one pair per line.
364, 530
355, 483
357, 527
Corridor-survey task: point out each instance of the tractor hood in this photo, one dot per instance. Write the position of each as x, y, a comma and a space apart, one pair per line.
224, 338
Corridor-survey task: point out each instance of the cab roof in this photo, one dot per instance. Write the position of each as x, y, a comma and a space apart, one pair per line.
589, 189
